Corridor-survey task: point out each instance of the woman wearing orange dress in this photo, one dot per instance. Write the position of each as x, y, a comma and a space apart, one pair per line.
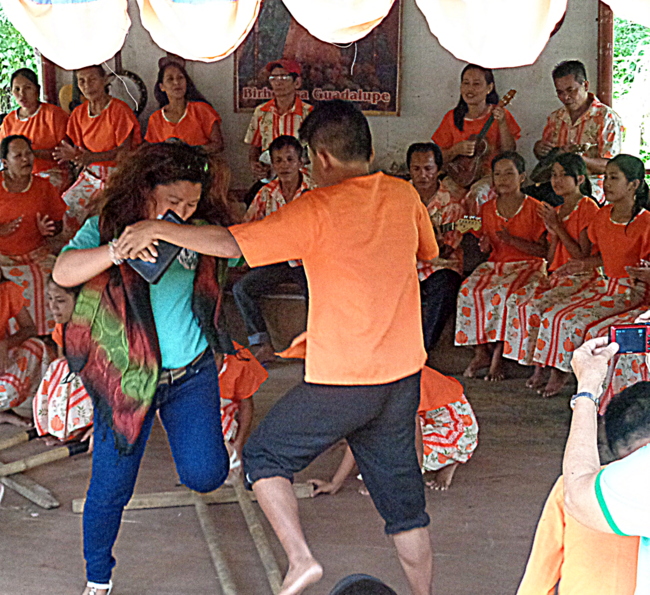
101, 129
478, 101
42, 123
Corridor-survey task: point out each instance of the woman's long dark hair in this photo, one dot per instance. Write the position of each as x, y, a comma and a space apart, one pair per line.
127, 195
634, 169
574, 166
191, 92
461, 109
27, 73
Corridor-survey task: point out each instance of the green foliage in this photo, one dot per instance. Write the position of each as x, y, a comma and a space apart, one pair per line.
15, 53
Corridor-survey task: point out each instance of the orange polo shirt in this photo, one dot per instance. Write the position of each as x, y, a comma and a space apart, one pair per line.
11, 303
194, 128
525, 224
574, 223
107, 130
39, 197
620, 244
584, 561
359, 242
46, 129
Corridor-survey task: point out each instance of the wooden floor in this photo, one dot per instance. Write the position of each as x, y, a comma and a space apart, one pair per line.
481, 528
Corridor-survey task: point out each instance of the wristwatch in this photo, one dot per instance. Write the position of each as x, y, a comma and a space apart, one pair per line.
587, 395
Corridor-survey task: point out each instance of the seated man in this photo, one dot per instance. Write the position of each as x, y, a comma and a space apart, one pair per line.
584, 561
582, 120
287, 159
614, 499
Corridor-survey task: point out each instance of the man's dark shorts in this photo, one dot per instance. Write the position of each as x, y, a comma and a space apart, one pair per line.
378, 421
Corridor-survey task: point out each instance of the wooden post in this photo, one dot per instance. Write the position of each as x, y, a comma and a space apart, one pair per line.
605, 87
31, 490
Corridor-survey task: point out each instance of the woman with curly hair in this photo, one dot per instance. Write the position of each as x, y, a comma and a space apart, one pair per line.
142, 348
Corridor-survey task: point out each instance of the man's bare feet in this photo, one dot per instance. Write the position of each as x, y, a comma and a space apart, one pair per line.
496, 373
537, 379
555, 383
264, 353
300, 576
442, 478
480, 360
12, 418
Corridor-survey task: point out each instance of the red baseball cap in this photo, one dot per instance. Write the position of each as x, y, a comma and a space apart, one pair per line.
291, 66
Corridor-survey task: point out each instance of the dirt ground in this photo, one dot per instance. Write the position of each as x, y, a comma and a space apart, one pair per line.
481, 528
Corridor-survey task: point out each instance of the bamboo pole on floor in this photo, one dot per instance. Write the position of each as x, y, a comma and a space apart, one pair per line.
49, 456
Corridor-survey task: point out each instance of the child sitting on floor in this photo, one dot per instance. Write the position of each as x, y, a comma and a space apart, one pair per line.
514, 232
23, 357
62, 408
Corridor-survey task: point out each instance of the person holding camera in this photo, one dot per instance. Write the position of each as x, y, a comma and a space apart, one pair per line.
614, 499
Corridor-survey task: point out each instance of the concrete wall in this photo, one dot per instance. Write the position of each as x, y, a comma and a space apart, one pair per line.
429, 87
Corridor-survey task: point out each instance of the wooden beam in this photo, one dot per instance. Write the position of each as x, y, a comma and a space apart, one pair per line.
605, 87
224, 495
19, 438
49, 456
31, 490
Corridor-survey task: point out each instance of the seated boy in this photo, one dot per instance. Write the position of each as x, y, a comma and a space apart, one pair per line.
359, 236
290, 183
584, 561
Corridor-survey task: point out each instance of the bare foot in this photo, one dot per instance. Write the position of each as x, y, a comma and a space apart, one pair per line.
11, 417
537, 379
264, 353
442, 478
555, 383
496, 373
480, 360
300, 576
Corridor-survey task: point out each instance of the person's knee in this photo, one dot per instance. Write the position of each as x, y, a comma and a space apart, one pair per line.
202, 479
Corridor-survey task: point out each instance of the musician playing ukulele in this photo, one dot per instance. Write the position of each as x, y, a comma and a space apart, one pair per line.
478, 101
439, 278
583, 120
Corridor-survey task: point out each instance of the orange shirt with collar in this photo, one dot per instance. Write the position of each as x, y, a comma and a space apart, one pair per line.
359, 241
574, 223
194, 128
267, 123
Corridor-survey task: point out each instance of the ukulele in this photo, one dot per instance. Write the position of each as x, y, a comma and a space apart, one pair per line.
542, 172
469, 223
464, 170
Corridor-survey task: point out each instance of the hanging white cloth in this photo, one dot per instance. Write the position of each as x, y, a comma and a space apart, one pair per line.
71, 33
339, 21
637, 11
493, 33
205, 30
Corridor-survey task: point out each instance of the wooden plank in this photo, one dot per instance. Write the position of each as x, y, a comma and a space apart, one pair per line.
31, 490
49, 456
224, 495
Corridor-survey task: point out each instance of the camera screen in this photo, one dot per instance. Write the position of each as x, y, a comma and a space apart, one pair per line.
631, 340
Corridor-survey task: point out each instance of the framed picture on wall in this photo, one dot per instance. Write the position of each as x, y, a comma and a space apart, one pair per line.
366, 72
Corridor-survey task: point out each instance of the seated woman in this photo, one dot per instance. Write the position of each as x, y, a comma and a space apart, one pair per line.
42, 123
478, 101
31, 212
515, 233
23, 358
568, 238
62, 408
620, 234
101, 130
441, 277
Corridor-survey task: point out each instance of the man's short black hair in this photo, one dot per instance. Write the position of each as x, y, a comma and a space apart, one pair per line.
339, 128
573, 67
429, 147
627, 418
286, 141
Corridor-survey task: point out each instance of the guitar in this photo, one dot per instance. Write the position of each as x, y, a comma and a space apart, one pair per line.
469, 223
464, 170
542, 172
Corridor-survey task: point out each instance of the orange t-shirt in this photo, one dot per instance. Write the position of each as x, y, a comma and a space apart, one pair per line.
46, 129
620, 244
57, 334
447, 135
583, 560
438, 390
359, 241
241, 375
194, 128
39, 197
526, 224
105, 131
11, 303
574, 223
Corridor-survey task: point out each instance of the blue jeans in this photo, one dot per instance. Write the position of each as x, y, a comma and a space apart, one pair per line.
190, 412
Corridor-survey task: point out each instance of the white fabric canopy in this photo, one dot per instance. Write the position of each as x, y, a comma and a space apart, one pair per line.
339, 21
205, 30
493, 33
632, 10
71, 33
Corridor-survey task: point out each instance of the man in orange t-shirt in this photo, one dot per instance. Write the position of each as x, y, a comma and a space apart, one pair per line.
359, 237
